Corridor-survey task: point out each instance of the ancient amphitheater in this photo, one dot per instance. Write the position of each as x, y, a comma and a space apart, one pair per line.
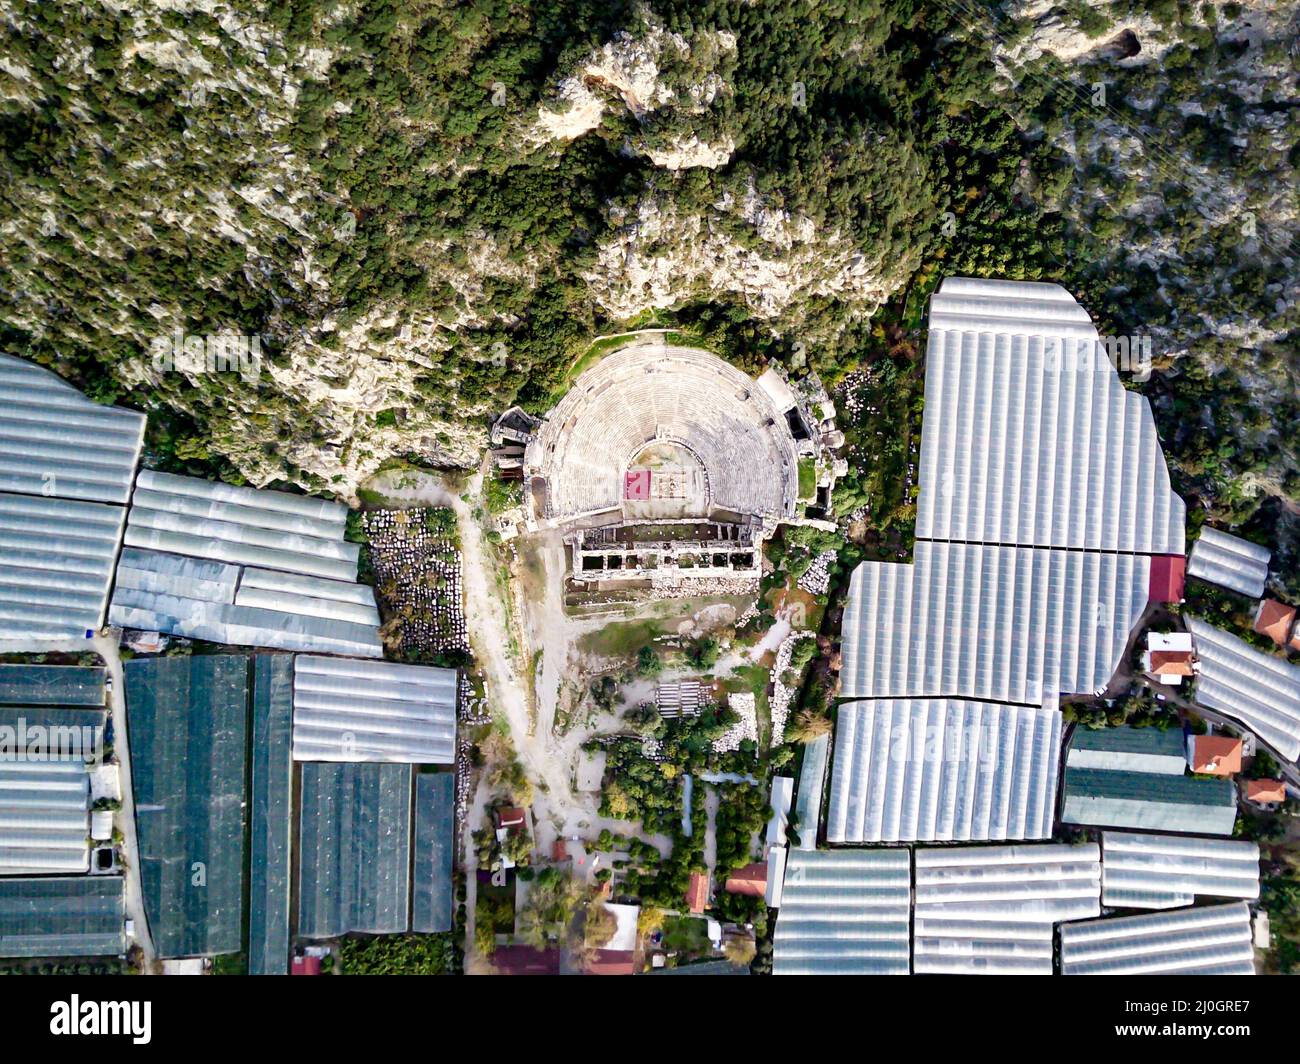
664, 458
710, 439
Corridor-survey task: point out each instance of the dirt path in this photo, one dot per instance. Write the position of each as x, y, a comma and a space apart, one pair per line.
559, 810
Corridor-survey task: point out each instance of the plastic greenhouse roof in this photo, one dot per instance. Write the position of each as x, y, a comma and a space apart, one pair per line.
188, 722
51, 685
435, 807
77, 916
272, 815
354, 868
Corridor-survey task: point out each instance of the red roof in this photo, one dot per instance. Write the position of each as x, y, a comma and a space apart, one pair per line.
511, 818
697, 892
559, 852
750, 880
305, 966
1172, 662
1274, 619
613, 962
1217, 755
525, 960
1265, 791
1167, 574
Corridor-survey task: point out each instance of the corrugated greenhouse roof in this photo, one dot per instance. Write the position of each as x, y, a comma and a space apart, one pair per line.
1149, 801
435, 808
998, 623
346, 710
986, 910
271, 821
242, 526
308, 595
1129, 749
1230, 562
1030, 438
1261, 691
812, 784
44, 817
1043, 495
188, 722
941, 770
77, 916
51, 685
1213, 940
844, 912
354, 869
66, 466
1166, 871
1130, 740
54, 442
56, 563
211, 600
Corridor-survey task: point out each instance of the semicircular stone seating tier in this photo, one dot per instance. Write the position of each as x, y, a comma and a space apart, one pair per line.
642, 394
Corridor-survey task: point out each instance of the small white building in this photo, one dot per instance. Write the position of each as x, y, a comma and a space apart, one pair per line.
776, 858
782, 797
105, 782
101, 825
1262, 938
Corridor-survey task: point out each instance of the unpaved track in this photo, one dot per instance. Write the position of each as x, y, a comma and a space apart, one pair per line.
559, 810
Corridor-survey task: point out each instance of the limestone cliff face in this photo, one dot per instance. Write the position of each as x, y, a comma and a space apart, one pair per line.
743, 246
183, 188
663, 80
660, 250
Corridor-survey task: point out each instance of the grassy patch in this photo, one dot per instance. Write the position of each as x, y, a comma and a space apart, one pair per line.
622, 639
685, 935
501, 494
807, 478
754, 679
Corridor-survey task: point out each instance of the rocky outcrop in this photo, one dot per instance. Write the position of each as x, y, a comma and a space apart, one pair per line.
744, 247
649, 74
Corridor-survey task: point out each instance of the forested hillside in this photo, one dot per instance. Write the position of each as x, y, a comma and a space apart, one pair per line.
425, 209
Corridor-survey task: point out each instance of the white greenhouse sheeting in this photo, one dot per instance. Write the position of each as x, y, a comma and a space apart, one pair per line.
54, 442
56, 564
44, 817
934, 770
308, 595
1168, 871
999, 623
243, 526
812, 782
66, 466
1230, 562
1212, 940
782, 796
205, 600
373, 711
844, 912
1261, 691
990, 910
1030, 438
1044, 494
